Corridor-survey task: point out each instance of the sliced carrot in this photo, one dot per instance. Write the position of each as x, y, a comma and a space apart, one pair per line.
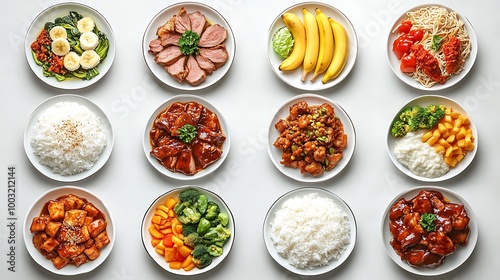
175, 265
187, 261
189, 267
167, 240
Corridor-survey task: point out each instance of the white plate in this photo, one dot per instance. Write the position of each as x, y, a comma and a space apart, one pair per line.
283, 112
452, 261
283, 261
161, 18
425, 100
395, 63
159, 259
47, 171
62, 9
177, 175
34, 211
292, 78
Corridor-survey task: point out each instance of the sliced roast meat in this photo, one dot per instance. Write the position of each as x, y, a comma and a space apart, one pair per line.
178, 70
185, 162
209, 120
210, 136
166, 120
155, 46
169, 26
182, 22
170, 38
205, 153
169, 55
218, 55
198, 22
212, 36
183, 119
194, 111
205, 64
195, 75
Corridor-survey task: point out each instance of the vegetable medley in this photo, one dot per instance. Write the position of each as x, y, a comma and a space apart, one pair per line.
71, 46
189, 231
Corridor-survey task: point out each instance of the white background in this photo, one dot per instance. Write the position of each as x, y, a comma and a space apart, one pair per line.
248, 97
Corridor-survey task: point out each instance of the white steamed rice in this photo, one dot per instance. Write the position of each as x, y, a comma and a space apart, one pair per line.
310, 231
68, 137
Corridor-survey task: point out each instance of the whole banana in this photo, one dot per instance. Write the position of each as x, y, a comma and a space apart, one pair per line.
312, 43
341, 51
294, 24
326, 44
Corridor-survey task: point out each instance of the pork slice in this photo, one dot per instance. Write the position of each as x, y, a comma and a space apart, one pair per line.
198, 22
213, 36
169, 55
218, 55
195, 75
178, 69
169, 26
155, 46
170, 38
182, 22
205, 64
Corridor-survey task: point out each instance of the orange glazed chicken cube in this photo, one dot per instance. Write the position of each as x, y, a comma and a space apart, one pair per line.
97, 227
39, 223
53, 228
75, 218
56, 210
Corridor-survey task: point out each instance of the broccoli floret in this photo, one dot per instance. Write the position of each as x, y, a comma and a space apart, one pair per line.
187, 229
413, 116
189, 215
201, 256
189, 195
192, 239
217, 235
417, 117
434, 113
212, 210
399, 128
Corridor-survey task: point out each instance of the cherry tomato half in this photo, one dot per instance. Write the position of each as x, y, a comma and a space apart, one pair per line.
405, 27
408, 63
401, 45
417, 34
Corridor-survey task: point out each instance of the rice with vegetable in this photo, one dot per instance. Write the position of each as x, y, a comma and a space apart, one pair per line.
310, 231
68, 138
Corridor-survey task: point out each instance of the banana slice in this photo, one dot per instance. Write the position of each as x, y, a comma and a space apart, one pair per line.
88, 40
89, 59
72, 61
85, 24
60, 46
58, 32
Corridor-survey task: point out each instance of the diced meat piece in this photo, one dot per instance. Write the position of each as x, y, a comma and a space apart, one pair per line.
205, 64
81, 259
50, 244
209, 119
102, 239
218, 55
210, 136
166, 121
169, 27
59, 262
38, 240
173, 149
75, 218
73, 202
440, 244
185, 163
198, 22
195, 75
281, 125
92, 253
205, 153
53, 228
282, 143
169, 55
182, 22
97, 227
70, 250
169, 38
155, 46
56, 210
212, 36
314, 168
178, 70
39, 223
92, 211
194, 109
73, 234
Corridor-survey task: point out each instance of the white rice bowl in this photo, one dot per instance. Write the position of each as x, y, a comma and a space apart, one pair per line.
310, 231
68, 137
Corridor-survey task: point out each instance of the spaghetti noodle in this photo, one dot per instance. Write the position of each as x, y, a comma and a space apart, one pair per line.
438, 25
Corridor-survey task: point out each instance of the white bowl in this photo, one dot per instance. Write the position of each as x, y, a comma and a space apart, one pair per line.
161, 18
283, 261
452, 261
177, 175
425, 100
283, 112
159, 259
47, 171
49, 15
34, 211
292, 78
394, 63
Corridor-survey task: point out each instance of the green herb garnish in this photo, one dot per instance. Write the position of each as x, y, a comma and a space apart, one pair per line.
436, 42
427, 221
189, 43
187, 133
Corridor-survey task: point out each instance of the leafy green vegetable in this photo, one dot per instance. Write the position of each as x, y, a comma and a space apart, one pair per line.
427, 221
189, 43
436, 42
283, 42
187, 133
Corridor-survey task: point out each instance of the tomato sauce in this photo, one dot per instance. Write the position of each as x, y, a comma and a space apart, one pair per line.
428, 63
41, 48
451, 50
